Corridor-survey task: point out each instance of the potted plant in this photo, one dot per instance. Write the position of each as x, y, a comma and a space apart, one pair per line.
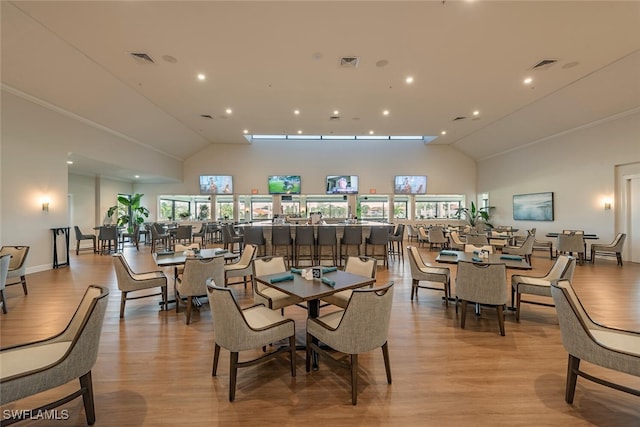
133, 213
473, 215
184, 215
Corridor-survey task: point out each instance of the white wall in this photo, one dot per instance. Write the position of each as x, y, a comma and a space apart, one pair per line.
578, 167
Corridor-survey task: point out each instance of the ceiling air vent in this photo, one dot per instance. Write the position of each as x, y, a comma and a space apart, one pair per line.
334, 118
349, 61
459, 118
544, 64
206, 116
142, 57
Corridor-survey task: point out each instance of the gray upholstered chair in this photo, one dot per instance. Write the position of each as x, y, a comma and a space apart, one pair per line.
254, 235
587, 340
159, 236
437, 278
31, 368
80, 236
134, 236
362, 266
476, 239
107, 237
484, 284
562, 268
612, 249
281, 238
423, 236
437, 238
242, 268
17, 266
270, 297
412, 234
183, 234
456, 242
305, 238
130, 281
525, 250
191, 284
378, 238
396, 242
202, 234
4, 268
570, 244
361, 327
327, 238
352, 236
237, 330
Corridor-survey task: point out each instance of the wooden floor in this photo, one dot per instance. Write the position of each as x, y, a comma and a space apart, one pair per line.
154, 370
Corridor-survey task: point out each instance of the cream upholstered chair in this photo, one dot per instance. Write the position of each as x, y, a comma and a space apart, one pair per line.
478, 248
477, 239
613, 249
484, 284
362, 266
525, 250
262, 294
192, 282
437, 278
4, 268
437, 238
572, 243
237, 330
562, 268
586, 340
202, 234
80, 236
456, 242
361, 327
31, 368
422, 235
412, 234
130, 281
17, 266
243, 268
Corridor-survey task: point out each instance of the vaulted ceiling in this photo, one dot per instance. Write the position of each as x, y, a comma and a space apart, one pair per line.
265, 59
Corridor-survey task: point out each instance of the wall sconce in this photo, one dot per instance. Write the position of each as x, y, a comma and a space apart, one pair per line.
45, 205
607, 204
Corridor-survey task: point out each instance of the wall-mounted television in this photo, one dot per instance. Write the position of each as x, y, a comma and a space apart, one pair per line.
342, 184
216, 184
410, 184
284, 184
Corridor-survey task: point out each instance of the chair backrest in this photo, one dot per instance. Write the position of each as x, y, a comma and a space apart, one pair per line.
436, 235
455, 237
79, 233
572, 232
618, 242
415, 260
254, 235
531, 232
352, 235
477, 239
181, 248
195, 275
570, 243
108, 233
184, 232
18, 256
365, 323
482, 283
411, 232
124, 274
362, 266
562, 268
327, 235
4, 269
267, 265
527, 245
423, 234
379, 235
399, 231
305, 235
281, 235
248, 254
83, 332
478, 248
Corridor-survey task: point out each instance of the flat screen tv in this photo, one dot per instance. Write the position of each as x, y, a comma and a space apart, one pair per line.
410, 184
342, 184
216, 184
284, 184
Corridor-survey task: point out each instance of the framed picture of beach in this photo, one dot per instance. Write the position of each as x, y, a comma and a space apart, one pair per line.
533, 207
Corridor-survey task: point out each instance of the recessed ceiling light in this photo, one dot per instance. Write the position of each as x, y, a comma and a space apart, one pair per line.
444, 132
409, 80
528, 81
228, 111
136, 176
476, 112
385, 112
336, 112
246, 131
202, 77
299, 132
371, 132
296, 112
69, 162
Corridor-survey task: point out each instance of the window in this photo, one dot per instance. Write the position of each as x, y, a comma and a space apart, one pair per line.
184, 207
329, 206
400, 207
436, 206
224, 207
290, 208
261, 208
373, 208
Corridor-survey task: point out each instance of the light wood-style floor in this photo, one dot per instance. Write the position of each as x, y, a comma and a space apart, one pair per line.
153, 370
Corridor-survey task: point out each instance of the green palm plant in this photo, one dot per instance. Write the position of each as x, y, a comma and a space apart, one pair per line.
473, 215
133, 212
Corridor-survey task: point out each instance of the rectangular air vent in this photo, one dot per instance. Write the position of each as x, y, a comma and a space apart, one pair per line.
206, 116
142, 57
544, 64
459, 118
349, 61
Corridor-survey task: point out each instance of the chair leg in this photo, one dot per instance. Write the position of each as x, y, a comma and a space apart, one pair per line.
307, 363
189, 304
233, 375
165, 298
23, 279
414, 288
87, 397
518, 300
216, 358
123, 299
387, 364
619, 257
572, 376
77, 247
500, 311
292, 349
354, 379
4, 302
464, 314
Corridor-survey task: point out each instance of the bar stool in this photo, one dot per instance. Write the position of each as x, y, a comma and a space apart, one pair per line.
396, 242
254, 235
304, 238
352, 236
327, 238
379, 236
281, 236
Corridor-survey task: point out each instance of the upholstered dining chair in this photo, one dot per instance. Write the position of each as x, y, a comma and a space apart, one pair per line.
159, 236
478, 248
484, 284
525, 250
361, 327
612, 249
202, 234
80, 236
378, 238
192, 282
396, 241
351, 236
133, 236
270, 297
562, 268
254, 235
456, 242
4, 269
281, 238
31, 368
237, 330
130, 281
423, 235
17, 265
242, 268
305, 239
362, 266
183, 234
412, 234
107, 236
587, 340
327, 238
437, 238
476, 239
437, 278
570, 244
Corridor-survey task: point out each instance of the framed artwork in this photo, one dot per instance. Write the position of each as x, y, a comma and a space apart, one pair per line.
533, 207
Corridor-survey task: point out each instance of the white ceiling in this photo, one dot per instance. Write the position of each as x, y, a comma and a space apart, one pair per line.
264, 59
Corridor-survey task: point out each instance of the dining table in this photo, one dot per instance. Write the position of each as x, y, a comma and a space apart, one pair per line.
312, 290
516, 262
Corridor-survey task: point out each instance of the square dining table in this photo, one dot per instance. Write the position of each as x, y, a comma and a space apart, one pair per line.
511, 261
